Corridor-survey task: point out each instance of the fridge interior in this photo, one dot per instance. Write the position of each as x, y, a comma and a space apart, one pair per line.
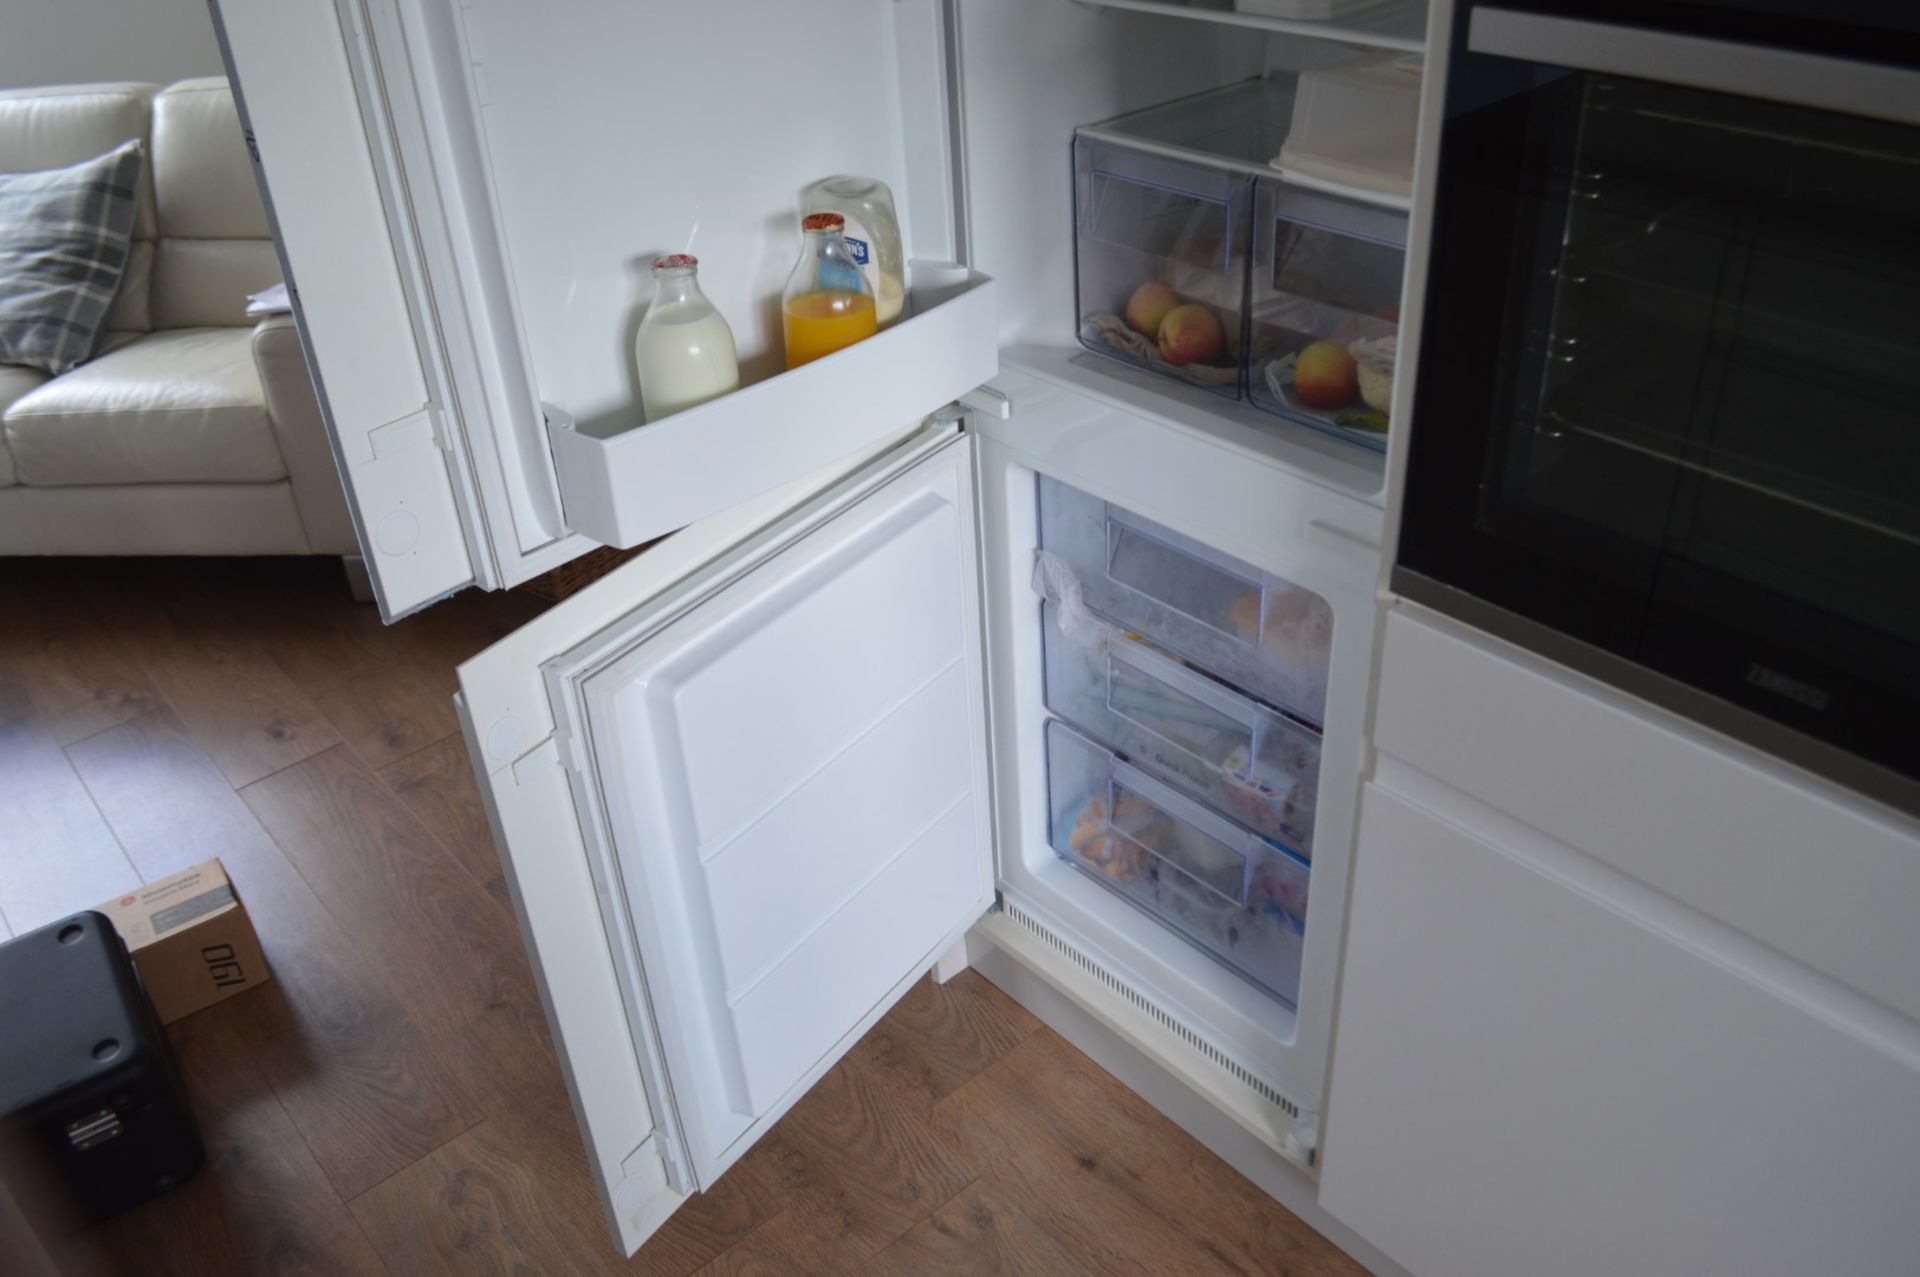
600, 136
534, 141
1177, 710
1185, 690
1189, 202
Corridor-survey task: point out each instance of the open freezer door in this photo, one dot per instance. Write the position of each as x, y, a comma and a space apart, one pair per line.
740, 788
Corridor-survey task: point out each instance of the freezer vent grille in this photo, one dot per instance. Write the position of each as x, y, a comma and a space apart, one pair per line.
1161, 1016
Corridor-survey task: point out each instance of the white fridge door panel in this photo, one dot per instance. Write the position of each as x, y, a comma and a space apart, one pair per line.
793, 777
1543, 1069
616, 132
773, 811
296, 93
583, 987
515, 169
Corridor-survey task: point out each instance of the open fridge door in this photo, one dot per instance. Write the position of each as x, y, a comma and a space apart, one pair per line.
467, 195
740, 788
365, 338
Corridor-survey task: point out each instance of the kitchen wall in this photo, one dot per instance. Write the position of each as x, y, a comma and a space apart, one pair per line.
76, 41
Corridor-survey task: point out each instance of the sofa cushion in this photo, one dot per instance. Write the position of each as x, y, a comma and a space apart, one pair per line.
43, 128
203, 181
133, 308
14, 382
52, 127
198, 283
63, 248
178, 406
214, 246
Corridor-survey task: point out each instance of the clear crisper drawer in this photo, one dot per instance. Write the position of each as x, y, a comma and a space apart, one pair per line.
1160, 255
1239, 755
1324, 306
1266, 636
1240, 897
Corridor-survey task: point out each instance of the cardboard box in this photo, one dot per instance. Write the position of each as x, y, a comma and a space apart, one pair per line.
191, 940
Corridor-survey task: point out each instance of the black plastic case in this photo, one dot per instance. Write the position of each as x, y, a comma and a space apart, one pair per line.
93, 1118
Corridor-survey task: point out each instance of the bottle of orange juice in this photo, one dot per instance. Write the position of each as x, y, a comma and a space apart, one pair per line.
828, 303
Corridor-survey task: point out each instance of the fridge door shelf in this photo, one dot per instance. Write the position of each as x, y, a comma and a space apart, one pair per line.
623, 483
1240, 897
1238, 755
1265, 635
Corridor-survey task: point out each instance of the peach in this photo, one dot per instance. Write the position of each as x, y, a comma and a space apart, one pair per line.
1325, 376
1191, 335
1148, 306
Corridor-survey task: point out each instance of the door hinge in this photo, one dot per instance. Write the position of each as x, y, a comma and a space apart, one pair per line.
536, 760
410, 431
983, 400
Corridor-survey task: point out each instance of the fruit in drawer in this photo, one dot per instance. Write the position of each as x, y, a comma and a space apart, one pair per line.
1373, 360
1243, 618
1190, 334
1149, 306
1097, 841
1326, 376
1299, 627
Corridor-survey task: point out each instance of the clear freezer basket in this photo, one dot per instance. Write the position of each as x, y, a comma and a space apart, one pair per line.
1262, 634
1239, 897
1236, 754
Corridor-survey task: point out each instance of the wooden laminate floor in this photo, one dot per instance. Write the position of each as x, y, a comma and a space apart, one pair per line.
391, 1103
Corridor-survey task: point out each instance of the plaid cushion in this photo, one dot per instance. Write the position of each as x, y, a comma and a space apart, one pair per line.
63, 247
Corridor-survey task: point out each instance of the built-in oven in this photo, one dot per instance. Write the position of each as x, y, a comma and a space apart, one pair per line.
1667, 419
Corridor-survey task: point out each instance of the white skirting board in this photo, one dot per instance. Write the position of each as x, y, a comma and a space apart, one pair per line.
1180, 1103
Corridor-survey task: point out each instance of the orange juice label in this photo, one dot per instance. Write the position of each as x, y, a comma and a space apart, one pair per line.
822, 322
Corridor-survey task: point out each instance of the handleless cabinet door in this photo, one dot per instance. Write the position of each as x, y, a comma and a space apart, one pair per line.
1543, 1067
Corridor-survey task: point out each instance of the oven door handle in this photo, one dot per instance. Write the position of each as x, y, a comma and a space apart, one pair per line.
1696, 62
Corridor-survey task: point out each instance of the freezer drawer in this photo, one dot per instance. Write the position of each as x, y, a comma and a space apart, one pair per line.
1256, 631
1237, 754
1240, 897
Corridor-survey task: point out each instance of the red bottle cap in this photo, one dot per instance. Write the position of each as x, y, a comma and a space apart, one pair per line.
675, 261
822, 222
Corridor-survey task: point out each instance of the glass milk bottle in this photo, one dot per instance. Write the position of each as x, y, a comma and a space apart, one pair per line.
872, 232
827, 304
684, 351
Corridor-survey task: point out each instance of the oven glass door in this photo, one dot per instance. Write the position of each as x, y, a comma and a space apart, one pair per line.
1673, 413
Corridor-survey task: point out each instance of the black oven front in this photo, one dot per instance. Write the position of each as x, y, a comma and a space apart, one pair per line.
1667, 419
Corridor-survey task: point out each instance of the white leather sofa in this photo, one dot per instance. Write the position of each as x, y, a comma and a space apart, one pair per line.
193, 430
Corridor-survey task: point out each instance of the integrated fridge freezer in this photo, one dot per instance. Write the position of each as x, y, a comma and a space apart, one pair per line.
964, 634
754, 783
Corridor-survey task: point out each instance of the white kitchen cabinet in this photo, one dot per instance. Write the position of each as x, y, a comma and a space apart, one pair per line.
751, 784
1792, 861
1579, 1031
